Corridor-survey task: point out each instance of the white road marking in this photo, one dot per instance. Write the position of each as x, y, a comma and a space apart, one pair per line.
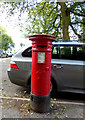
14, 98
70, 103
52, 101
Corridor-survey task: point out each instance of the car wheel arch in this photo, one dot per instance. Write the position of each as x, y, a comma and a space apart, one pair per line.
53, 85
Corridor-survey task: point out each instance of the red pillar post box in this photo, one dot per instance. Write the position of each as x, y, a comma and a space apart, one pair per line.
41, 71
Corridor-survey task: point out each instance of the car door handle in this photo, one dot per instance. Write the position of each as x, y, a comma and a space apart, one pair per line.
58, 66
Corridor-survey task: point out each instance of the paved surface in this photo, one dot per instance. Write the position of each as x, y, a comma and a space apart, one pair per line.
9, 89
21, 108
14, 102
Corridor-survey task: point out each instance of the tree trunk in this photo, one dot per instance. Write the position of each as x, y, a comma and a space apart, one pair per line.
65, 21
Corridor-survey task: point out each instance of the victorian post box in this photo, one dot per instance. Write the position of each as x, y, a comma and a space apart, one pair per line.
41, 71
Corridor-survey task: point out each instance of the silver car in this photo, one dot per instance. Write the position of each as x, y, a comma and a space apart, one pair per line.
67, 67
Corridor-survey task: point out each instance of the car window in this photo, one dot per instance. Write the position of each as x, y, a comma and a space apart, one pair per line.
27, 52
80, 55
55, 52
68, 52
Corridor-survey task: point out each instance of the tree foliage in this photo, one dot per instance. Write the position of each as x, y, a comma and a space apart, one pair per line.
5, 40
55, 18
43, 20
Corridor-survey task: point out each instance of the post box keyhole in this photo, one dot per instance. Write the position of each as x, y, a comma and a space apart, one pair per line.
47, 68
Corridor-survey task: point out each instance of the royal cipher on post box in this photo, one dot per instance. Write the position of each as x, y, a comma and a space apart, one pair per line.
41, 71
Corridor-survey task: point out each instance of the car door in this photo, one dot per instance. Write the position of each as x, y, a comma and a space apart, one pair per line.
24, 63
67, 66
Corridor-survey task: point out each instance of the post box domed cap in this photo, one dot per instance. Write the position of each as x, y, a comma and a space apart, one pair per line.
38, 37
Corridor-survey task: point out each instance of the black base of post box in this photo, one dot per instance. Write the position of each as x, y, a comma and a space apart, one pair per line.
40, 103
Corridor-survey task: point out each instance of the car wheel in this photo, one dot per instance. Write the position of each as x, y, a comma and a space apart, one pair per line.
53, 88
28, 89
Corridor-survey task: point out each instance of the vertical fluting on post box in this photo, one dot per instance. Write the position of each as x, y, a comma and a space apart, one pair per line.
41, 71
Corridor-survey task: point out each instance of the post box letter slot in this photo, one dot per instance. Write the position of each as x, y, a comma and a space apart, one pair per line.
41, 57
42, 46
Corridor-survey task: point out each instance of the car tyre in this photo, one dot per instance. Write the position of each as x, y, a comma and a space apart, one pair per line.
53, 88
28, 89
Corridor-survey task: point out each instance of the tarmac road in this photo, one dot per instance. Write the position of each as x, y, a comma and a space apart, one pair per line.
8, 88
14, 100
